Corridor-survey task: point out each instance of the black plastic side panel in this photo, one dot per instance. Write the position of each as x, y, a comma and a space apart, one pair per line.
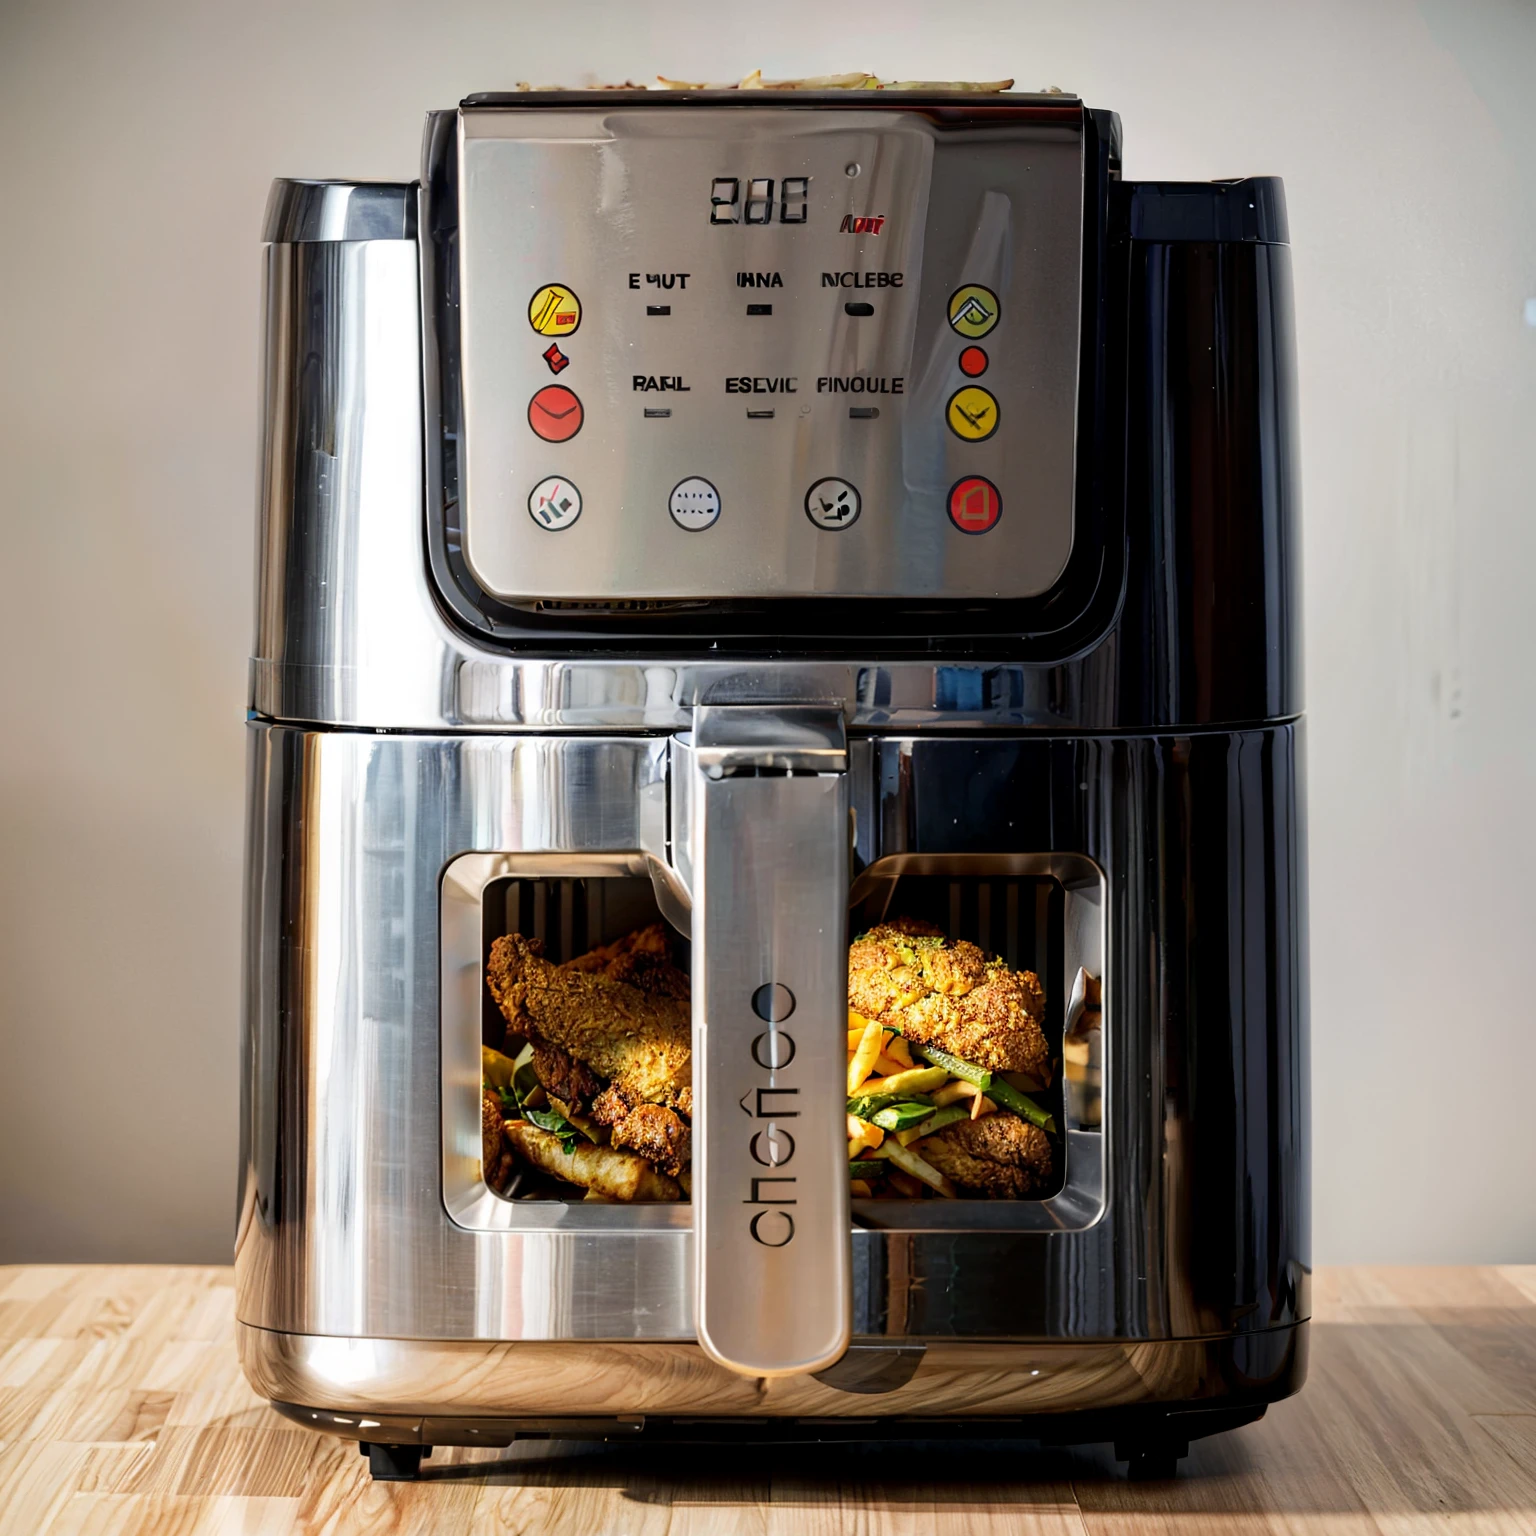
1212, 619
1202, 840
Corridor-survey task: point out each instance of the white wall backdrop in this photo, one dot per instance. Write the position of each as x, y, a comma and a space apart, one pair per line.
140, 139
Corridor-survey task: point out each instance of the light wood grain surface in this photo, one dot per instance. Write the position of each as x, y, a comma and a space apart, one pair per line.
122, 1411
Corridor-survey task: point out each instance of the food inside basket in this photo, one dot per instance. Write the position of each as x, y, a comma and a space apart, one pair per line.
947, 1063
945, 1048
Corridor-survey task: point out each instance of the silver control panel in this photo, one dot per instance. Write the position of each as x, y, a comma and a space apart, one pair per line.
715, 352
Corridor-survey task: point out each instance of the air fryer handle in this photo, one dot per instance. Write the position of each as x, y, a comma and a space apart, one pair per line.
766, 808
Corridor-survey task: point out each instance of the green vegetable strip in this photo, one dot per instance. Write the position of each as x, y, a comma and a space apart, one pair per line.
946, 1116
867, 1168
993, 1086
965, 1070
1007, 1097
864, 1106
901, 1117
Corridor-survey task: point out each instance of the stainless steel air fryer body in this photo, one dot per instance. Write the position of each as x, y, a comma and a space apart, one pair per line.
744, 505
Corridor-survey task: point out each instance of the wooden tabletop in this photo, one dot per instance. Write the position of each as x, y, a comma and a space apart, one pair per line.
122, 1411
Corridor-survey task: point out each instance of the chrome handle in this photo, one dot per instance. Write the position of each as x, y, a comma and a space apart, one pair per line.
767, 844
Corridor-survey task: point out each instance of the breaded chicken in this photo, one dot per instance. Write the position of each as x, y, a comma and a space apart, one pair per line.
495, 1155
641, 1042
563, 1076
642, 958
999, 1156
907, 975
657, 1133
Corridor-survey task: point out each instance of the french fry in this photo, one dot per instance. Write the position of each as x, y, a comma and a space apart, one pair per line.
864, 1056
885, 1066
951, 1093
898, 1050
910, 1162
982, 1105
858, 1189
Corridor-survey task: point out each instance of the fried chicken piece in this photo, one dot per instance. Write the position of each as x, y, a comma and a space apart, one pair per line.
639, 1041
495, 1158
642, 959
907, 975
999, 1155
658, 1134
563, 1077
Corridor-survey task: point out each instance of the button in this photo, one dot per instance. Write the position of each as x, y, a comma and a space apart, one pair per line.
974, 504
972, 413
554, 504
694, 504
833, 504
555, 414
554, 311
557, 360
973, 362
973, 311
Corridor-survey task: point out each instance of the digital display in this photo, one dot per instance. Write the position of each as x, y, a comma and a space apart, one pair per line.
727, 205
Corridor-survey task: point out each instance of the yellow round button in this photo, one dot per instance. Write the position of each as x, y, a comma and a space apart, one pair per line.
972, 413
973, 310
554, 311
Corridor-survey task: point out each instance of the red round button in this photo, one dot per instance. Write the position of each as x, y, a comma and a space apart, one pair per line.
973, 362
974, 504
555, 413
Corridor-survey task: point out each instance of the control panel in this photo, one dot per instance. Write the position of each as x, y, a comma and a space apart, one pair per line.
716, 352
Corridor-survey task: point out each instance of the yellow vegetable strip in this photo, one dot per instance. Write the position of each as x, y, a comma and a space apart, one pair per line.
864, 1056
862, 1134
908, 1080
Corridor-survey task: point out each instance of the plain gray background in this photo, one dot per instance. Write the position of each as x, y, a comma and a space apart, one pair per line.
140, 139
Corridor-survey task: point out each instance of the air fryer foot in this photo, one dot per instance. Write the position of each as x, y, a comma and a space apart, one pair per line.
1152, 1464
394, 1463
1152, 1459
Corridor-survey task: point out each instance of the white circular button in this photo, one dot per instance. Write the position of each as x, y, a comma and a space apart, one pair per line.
554, 504
833, 504
694, 504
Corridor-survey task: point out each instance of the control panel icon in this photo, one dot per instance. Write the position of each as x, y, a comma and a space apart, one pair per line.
833, 504
973, 311
974, 504
554, 503
554, 310
694, 504
972, 413
555, 414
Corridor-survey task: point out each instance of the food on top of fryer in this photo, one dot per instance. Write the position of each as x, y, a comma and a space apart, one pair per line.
857, 80
908, 976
